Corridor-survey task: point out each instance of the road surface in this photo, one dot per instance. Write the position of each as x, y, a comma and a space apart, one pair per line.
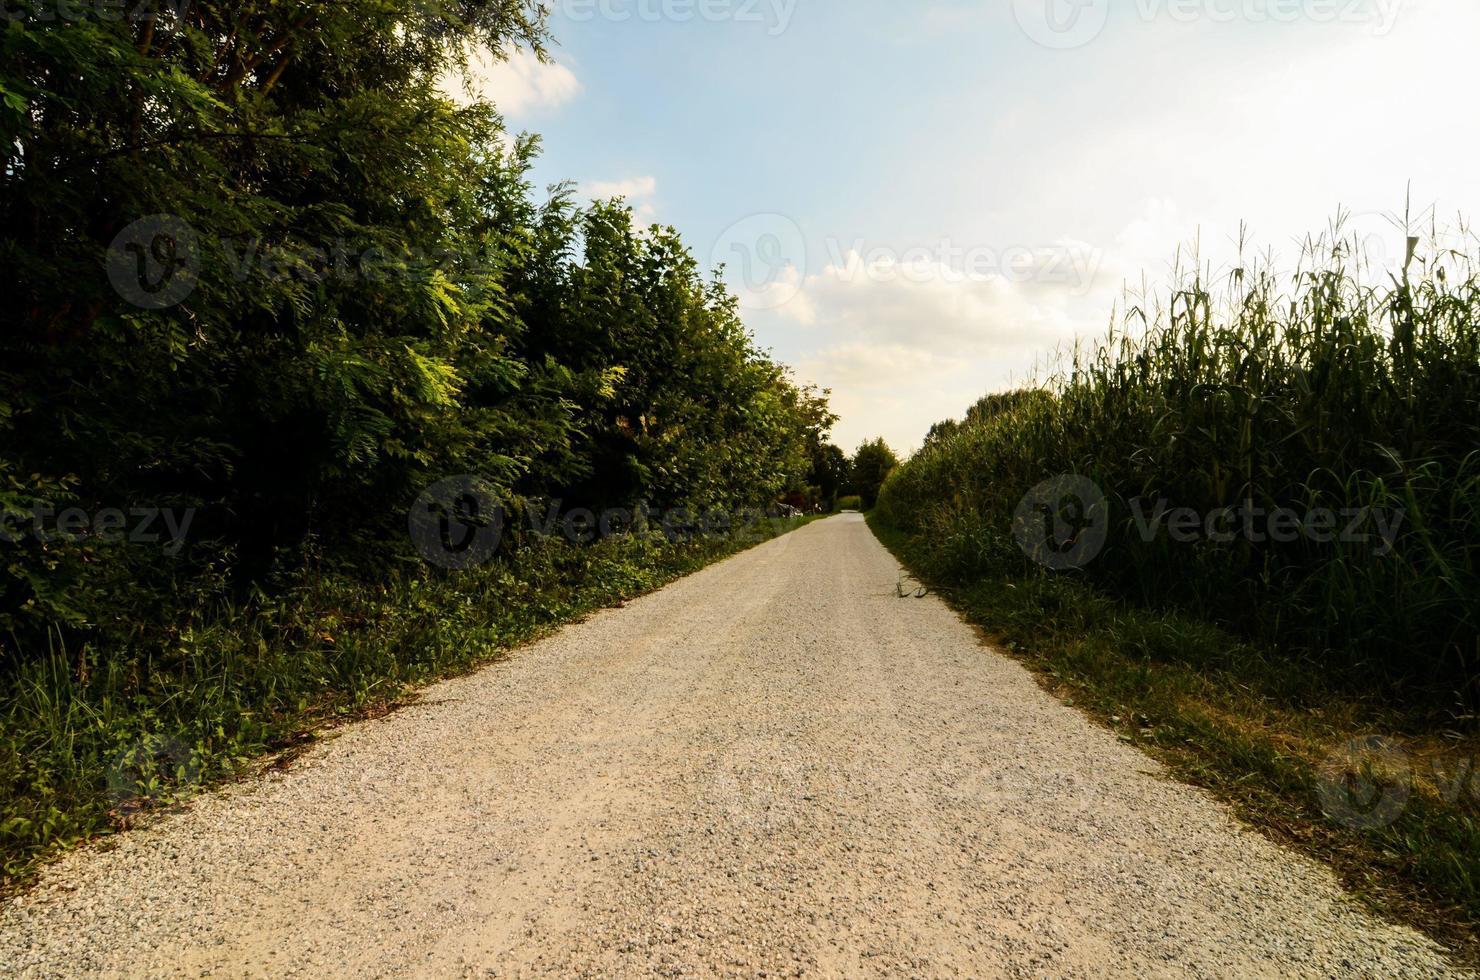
774, 767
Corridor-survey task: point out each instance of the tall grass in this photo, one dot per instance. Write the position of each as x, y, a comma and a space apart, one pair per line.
1324, 388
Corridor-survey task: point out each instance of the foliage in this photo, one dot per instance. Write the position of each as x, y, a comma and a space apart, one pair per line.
831, 474
871, 466
987, 408
1243, 660
1328, 394
374, 301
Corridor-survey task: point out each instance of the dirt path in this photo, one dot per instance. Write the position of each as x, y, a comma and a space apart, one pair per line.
776, 766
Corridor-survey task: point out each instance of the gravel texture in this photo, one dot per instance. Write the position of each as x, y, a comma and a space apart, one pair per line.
774, 767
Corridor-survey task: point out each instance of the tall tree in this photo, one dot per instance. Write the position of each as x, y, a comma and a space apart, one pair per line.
872, 465
266, 268
830, 474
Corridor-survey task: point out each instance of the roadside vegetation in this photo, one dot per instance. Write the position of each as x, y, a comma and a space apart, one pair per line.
268, 279
94, 737
1325, 682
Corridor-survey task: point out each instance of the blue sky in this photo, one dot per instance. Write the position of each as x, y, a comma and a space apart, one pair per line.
933, 196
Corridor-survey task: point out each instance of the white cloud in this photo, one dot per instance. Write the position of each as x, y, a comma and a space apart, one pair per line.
1157, 134
632, 188
518, 85
873, 367
884, 390
932, 305
906, 344
639, 193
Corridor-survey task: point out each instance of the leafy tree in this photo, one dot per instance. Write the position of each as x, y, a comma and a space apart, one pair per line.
266, 268
872, 465
830, 474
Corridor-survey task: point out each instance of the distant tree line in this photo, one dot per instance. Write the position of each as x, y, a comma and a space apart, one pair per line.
836, 479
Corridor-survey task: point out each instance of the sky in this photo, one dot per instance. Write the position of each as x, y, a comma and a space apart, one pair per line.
918, 203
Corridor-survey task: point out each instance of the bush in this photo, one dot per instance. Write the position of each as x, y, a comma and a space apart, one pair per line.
357, 294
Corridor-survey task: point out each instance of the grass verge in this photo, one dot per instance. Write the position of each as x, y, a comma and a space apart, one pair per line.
90, 740
1257, 730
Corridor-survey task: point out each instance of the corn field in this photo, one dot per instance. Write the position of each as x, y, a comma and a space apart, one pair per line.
1334, 388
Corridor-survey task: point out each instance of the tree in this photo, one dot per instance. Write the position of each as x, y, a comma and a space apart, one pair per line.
830, 473
871, 466
265, 268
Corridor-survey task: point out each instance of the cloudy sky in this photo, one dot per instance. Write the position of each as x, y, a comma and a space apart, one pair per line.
919, 202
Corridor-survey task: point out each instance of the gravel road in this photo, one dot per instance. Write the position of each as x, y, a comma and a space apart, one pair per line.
774, 767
